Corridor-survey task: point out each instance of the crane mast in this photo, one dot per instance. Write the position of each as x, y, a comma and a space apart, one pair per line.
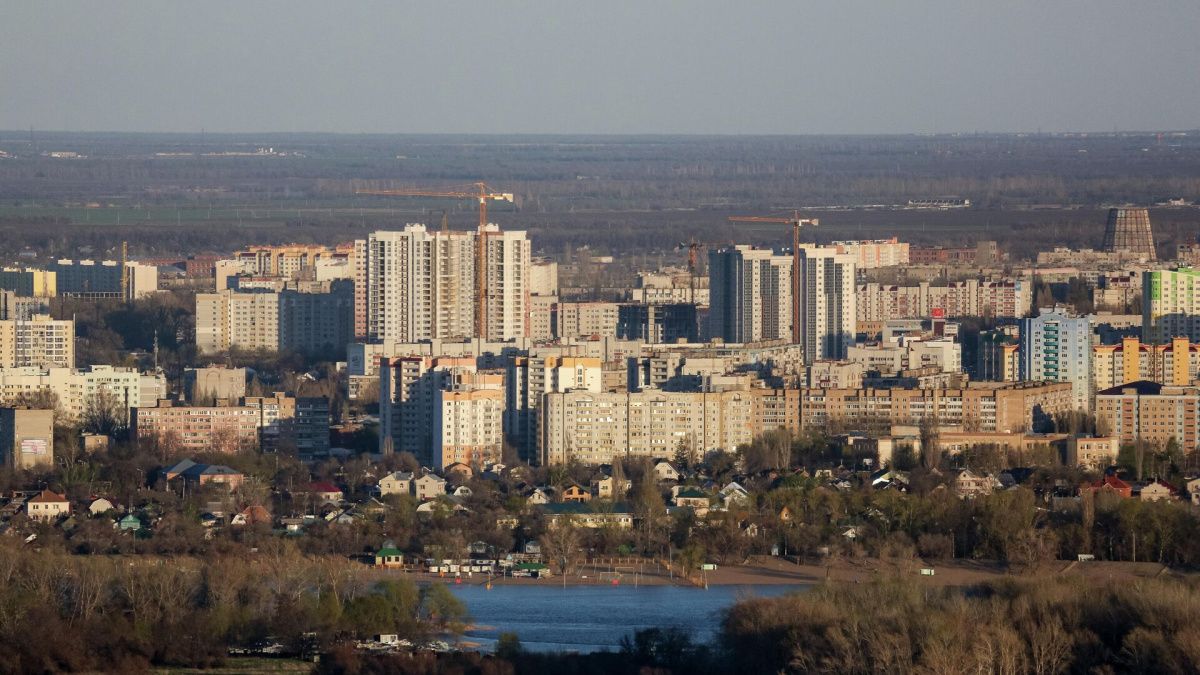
796, 222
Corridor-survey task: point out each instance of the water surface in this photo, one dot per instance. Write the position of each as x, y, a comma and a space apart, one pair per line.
592, 618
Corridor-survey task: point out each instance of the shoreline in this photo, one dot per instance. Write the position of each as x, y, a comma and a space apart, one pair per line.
770, 571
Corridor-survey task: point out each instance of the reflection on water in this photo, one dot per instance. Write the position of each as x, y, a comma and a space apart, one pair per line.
592, 618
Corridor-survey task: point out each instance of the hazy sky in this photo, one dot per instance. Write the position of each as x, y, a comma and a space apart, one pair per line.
611, 66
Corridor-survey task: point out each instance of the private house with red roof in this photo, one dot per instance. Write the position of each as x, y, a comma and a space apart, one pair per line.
47, 506
1110, 484
326, 491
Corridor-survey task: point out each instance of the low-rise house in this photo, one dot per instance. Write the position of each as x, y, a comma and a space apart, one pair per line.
606, 487
1156, 491
576, 493
200, 475
1110, 484
967, 484
461, 491
47, 506
696, 500
429, 486
664, 471
459, 472
396, 483
389, 556
586, 515
733, 494
1193, 490
538, 496
130, 523
326, 492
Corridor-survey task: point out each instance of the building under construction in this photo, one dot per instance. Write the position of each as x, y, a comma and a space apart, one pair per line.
1128, 231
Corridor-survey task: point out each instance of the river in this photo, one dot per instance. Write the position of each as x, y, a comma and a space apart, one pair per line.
594, 618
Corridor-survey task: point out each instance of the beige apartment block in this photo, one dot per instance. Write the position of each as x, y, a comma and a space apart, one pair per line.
41, 342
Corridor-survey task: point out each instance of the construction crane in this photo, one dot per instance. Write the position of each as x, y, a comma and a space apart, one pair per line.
476, 191
693, 262
796, 222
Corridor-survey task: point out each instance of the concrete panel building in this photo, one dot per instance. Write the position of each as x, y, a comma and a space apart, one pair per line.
827, 303
1056, 347
26, 438
40, 342
750, 292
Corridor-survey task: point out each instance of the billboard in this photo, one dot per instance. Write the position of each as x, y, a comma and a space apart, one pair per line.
34, 446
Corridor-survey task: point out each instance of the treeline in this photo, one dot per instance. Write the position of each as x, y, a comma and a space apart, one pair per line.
1013, 626
69, 613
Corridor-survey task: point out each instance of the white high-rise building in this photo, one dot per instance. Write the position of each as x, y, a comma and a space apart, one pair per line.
751, 294
507, 271
1056, 347
422, 285
827, 303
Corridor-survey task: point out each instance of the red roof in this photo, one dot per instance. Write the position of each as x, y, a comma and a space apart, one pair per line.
323, 486
48, 496
1112, 482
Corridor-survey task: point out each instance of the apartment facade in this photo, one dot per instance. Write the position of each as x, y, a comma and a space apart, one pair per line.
280, 422
304, 316
468, 426
110, 389
977, 407
529, 378
1056, 347
1151, 413
1001, 298
750, 292
40, 342
597, 428
828, 313
1175, 363
421, 285
21, 308
1171, 305
871, 254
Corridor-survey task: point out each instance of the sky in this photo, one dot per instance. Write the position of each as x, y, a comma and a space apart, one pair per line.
611, 67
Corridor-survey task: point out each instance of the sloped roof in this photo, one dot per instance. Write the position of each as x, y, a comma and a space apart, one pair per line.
47, 496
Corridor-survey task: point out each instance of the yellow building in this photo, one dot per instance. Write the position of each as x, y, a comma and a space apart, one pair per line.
1175, 363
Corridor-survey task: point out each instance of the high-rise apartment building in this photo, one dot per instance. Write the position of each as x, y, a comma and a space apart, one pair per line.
529, 378
40, 342
1152, 413
1056, 347
874, 253
408, 387
21, 308
1171, 305
468, 426
827, 303
420, 285
751, 294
